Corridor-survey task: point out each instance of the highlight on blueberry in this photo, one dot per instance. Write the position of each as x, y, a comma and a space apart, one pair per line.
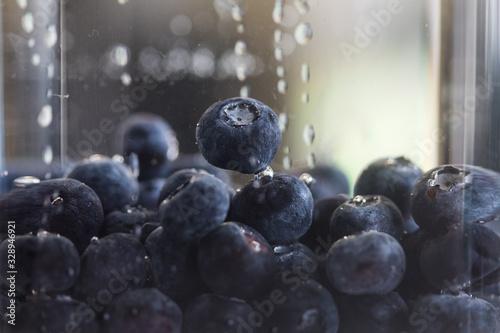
240, 134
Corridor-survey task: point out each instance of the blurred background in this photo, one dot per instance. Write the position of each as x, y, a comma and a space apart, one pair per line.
351, 81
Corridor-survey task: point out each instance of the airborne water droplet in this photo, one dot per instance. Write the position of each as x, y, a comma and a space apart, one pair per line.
311, 160
282, 86
28, 22
240, 28
35, 59
278, 35
241, 73
22, 3
280, 71
126, 79
50, 71
245, 91
305, 73
287, 162
263, 177
45, 116
237, 13
304, 97
303, 33
283, 122
278, 12
120, 55
47, 155
307, 179
302, 6
122, 2
308, 134
50, 36
240, 48
279, 54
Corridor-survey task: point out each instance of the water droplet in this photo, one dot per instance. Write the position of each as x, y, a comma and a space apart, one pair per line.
94, 239
280, 71
302, 6
28, 22
47, 155
5, 173
35, 59
45, 116
241, 73
25, 181
278, 12
122, 2
263, 177
31, 43
240, 48
126, 79
57, 201
359, 200
50, 71
287, 162
303, 33
279, 54
278, 35
282, 86
304, 97
106, 316
120, 55
305, 73
283, 121
245, 91
71, 271
22, 3
237, 13
308, 134
240, 28
311, 160
307, 179
50, 36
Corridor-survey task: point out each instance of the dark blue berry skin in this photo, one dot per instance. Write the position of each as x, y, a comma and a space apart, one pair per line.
393, 178
330, 181
34, 261
463, 254
60, 206
211, 313
319, 231
196, 207
236, 261
384, 313
54, 315
146, 230
154, 142
142, 310
451, 194
307, 307
449, 313
197, 161
110, 266
113, 181
281, 209
240, 134
367, 263
149, 193
127, 220
366, 212
175, 180
174, 267
295, 260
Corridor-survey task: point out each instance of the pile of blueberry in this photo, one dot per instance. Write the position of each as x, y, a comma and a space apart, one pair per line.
154, 243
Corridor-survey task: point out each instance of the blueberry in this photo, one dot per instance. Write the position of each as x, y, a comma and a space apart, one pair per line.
449, 313
318, 232
60, 206
307, 307
451, 194
281, 209
154, 142
366, 264
295, 260
146, 310
110, 266
393, 178
236, 261
197, 161
366, 212
149, 193
146, 230
211, 313
329, 181
174, 267
196, 207
239, 134
127, 220
54, 315
113, 182
34, 262
175, 180
385, 313
464, 253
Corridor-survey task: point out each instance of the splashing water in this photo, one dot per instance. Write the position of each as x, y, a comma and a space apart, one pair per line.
303, 33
